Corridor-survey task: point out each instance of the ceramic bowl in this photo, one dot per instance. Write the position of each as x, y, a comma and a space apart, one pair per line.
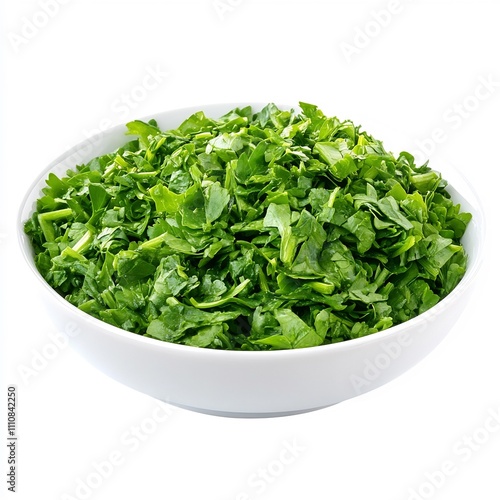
249, 384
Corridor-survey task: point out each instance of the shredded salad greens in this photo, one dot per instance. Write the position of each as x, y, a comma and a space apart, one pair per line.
276, 229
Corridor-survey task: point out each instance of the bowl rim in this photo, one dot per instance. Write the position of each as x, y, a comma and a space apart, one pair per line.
472, 269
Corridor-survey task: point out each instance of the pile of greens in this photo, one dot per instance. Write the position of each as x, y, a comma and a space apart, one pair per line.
271, 230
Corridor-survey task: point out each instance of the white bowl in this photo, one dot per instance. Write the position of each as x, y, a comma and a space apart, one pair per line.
239, 383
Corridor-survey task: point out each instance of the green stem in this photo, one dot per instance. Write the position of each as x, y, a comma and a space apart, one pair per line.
46, 219
232, 293
84, 242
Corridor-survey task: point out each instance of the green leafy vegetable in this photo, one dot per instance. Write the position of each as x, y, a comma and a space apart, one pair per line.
279, 229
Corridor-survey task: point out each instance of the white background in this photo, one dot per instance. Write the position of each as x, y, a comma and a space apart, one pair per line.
418, 65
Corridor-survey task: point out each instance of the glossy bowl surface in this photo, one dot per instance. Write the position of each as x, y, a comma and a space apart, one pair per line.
249, 384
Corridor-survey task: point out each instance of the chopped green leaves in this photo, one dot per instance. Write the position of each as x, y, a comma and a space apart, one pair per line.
280, 229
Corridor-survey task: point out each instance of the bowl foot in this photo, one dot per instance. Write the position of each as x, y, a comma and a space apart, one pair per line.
231, 414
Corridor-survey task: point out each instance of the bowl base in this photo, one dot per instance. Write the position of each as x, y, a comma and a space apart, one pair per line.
232, 414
